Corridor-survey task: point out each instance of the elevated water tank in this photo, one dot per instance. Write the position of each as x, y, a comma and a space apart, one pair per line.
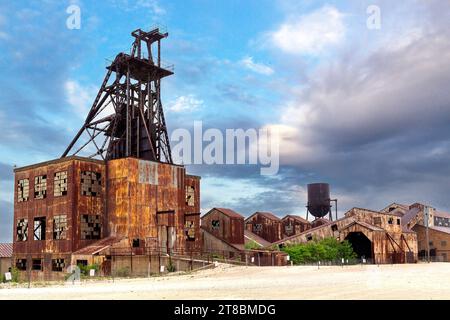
319, 199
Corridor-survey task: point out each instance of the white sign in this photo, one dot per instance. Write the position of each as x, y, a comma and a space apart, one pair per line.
288, 258
343, 260
253, 259
161, 269
8, 276
92, 272
364, 260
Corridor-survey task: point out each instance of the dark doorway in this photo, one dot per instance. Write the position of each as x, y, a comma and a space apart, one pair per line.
361, 244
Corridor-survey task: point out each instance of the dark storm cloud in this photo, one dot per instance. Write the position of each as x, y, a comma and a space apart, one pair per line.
374, 123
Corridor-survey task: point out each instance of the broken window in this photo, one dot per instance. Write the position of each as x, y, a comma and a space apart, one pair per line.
83, 263
189, 229
215, 224
58, 265
91, 183
377, 221
190, 196
398, 222
23, 190
40, 187
443, 243
257, 228
90, 227
39, 228
59, 227
22, 230
391, 220
60, 184
334, 227
136, 243
36, 264
21, 264
309, 237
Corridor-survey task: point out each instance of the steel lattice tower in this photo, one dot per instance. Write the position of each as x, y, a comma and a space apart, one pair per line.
127, 118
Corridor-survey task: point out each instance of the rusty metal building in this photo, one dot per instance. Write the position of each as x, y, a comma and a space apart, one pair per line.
65, 206
127, 193
225, 224
6, 250
266, 225
379, 237
292, 225
222, 231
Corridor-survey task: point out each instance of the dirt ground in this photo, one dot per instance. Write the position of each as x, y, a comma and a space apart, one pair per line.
414, 281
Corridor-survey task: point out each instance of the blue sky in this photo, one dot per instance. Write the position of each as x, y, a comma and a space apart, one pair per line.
365, 110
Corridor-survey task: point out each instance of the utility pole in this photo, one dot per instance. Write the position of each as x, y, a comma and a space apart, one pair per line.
426, 214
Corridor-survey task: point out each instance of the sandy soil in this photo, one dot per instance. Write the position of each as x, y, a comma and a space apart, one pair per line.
419, 281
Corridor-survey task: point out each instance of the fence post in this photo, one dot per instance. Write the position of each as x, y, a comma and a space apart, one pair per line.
112, 264
149, 262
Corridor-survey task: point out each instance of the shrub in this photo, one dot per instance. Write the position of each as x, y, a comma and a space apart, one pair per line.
15, 274
84, 270
328, 249
171, 266
252, 245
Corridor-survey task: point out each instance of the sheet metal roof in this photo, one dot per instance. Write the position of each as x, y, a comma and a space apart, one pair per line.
229, 212
97, 246
252, 236
6, 250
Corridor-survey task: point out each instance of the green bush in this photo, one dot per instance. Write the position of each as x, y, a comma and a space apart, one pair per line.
84, 270
252, 245
171, 267
15, 274
328, 249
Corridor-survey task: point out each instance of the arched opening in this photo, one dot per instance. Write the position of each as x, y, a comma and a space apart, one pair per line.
362, 246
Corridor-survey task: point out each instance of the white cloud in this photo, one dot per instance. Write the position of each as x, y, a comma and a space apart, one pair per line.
152, 5
311, 33
80, 97
133, 5
256, 67
185, 103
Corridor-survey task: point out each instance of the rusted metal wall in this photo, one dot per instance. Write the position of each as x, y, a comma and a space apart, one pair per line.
293, 225
146, 197
387, 221
137, 199
192, 213
267, 258
72, 205
214, 244
439, 242
221, 225
268, 229
390, 244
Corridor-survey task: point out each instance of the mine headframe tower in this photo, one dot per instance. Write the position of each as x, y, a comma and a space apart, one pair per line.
127, 118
